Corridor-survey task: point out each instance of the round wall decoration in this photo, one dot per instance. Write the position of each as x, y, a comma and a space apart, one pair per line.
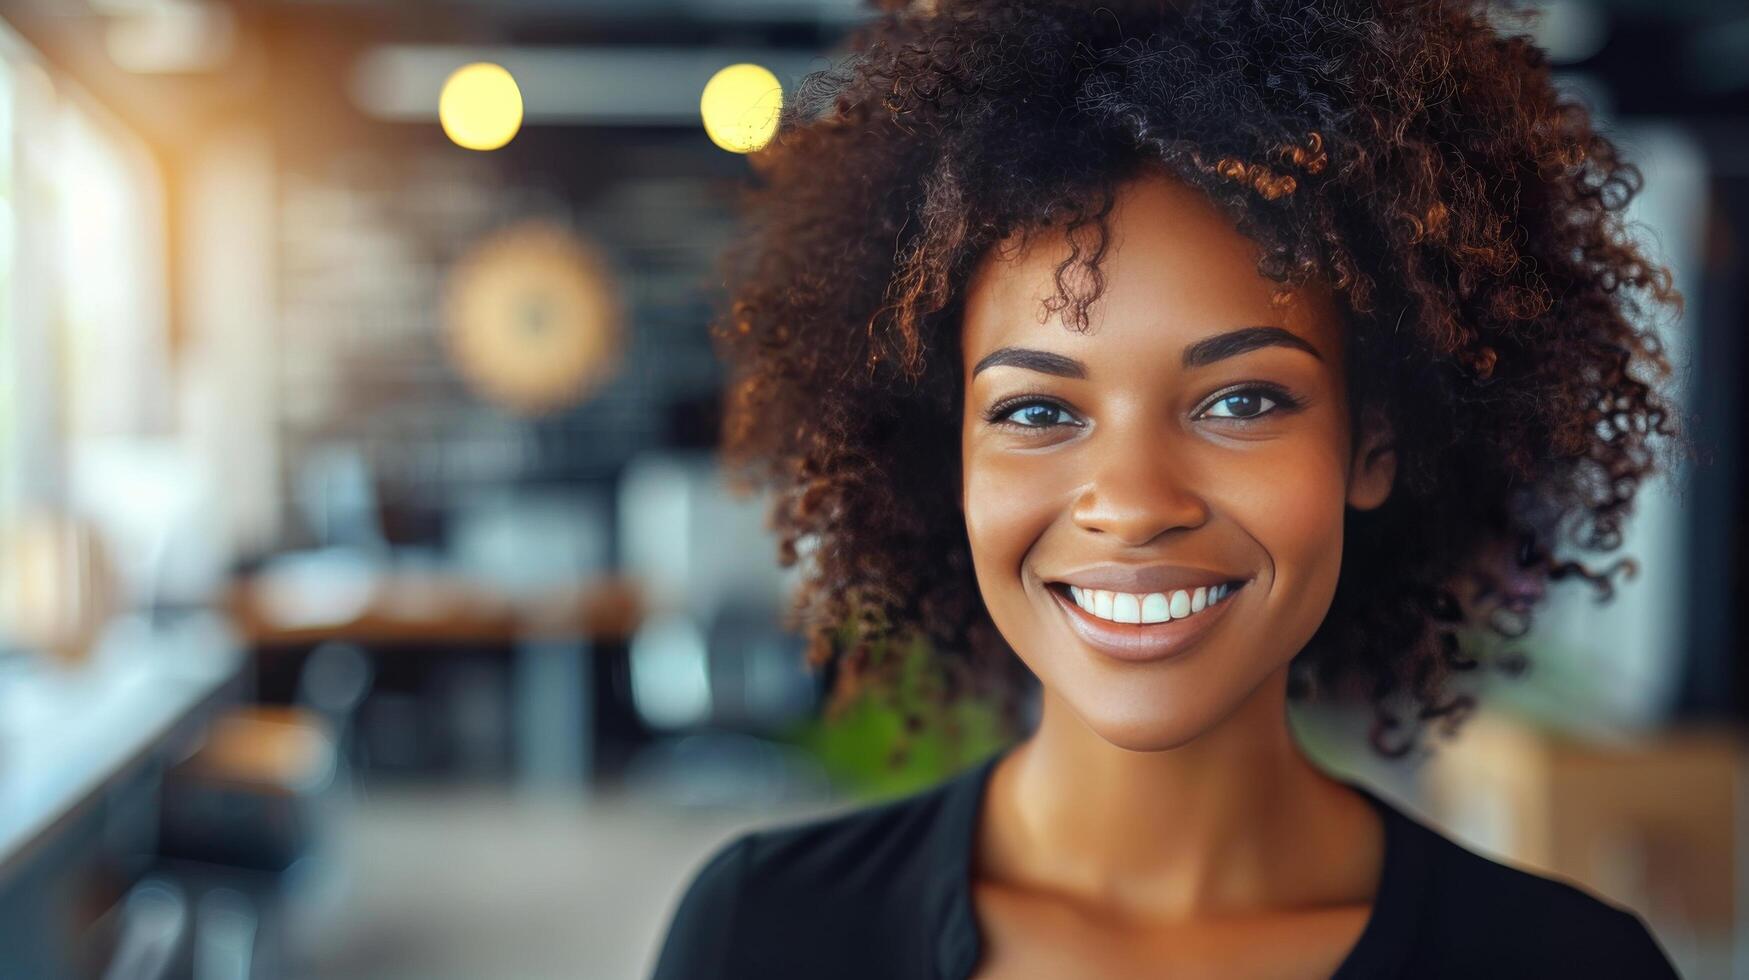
532, 318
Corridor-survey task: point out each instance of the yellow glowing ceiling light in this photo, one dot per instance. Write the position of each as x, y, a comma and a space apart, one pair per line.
740, 106
481, 107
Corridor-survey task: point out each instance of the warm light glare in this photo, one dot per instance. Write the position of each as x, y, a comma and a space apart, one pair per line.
481, 107
740, 106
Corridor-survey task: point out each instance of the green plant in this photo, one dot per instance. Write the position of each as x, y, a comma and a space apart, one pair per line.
892, 740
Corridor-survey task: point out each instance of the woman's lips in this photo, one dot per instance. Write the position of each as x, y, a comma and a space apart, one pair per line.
1142, 641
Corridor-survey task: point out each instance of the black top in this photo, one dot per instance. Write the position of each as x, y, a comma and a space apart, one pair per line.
885, 891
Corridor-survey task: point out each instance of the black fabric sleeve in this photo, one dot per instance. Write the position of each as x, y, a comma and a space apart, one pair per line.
1637, 953
701, 935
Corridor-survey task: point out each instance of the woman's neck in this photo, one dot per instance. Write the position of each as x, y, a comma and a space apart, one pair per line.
1238, 820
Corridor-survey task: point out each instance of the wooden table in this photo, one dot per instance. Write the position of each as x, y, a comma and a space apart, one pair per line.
552, 637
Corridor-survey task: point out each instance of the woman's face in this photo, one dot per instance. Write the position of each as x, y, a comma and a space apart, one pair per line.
1196, 435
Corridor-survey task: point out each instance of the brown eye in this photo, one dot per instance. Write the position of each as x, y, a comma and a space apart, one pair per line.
1246, 403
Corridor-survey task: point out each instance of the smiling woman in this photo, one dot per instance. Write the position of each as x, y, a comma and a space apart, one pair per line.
1195, 436
1159, 364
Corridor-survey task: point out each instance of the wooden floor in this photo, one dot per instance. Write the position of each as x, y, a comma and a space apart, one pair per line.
463, 884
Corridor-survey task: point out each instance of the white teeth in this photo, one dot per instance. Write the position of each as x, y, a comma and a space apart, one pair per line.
1180, 604
1155, 607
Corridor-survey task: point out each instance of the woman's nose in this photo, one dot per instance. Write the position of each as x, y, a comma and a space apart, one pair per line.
1139, 491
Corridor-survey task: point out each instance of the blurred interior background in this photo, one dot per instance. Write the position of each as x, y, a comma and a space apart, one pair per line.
371, 604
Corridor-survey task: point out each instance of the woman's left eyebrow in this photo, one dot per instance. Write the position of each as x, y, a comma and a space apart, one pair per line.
1200, 354
1235, 342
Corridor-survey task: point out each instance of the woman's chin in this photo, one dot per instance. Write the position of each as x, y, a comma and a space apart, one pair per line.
1143, 727
1145, 740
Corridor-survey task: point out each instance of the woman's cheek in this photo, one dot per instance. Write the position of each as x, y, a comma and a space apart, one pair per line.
1008, 506
1293, 506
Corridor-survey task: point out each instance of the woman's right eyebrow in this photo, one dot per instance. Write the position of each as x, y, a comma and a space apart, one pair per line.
1200, 354
1032, 359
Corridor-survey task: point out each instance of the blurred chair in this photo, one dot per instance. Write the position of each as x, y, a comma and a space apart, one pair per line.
245, 798
151, 929
154, 935
738, 671
336, 496
692, 543
712, 669
246, 815
524, 542
226, 923
333, 682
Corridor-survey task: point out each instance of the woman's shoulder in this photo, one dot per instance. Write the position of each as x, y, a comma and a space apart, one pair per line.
1496, 918
855, 873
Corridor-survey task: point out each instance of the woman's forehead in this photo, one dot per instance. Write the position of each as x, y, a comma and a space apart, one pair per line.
1176, 271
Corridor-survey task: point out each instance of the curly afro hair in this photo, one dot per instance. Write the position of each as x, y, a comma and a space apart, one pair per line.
1412, 154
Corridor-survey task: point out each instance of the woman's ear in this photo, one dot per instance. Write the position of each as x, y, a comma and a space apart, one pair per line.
1373, 470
